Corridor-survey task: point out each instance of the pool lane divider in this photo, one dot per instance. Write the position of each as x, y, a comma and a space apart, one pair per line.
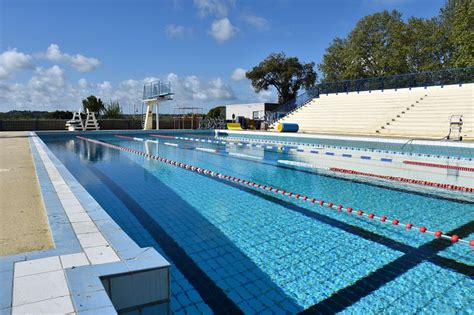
208, 150
257, 186
403, 179
346, 148
333, 169
131, 138
313, 151
453, 167
283, 149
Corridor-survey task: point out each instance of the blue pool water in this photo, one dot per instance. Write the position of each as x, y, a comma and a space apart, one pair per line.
235, 249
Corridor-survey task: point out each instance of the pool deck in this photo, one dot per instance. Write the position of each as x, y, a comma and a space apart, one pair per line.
24, 224
92, 267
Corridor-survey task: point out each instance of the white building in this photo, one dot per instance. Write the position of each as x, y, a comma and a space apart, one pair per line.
254, 111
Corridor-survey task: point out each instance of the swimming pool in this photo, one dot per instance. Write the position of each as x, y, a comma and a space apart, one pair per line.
238, 244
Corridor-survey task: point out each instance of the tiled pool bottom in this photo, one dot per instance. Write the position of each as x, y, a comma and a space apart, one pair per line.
260, 260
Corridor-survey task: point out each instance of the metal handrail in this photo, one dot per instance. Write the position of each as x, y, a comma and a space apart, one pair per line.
399, 81
156, 89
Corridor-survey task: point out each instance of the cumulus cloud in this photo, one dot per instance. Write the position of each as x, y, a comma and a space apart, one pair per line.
219, 8
222, 30
78, 61
49, 89
127, 92
83, 83
192, 88
46, 90
266, 96
12, 60
258, 22
104, 86
238, 74
48, 79
175, 31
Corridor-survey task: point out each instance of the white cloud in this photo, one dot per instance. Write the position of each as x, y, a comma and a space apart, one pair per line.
267, 96
260, 23
132, 84
12, 60
46, 90
219, 8
127, 93
104, 86
49, 79
192, 88
83, 83
79, 62
238, 74
222, 30
49, 89
175, 31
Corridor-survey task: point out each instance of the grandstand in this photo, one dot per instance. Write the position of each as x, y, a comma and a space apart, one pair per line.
421, 112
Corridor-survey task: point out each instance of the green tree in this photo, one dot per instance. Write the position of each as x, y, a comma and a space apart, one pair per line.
287, 75
94, 104
113, 110
382, 44
216, 112
376, 46
427, 46
458, 21
335, 60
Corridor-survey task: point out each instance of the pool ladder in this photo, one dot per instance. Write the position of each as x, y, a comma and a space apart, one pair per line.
455, 127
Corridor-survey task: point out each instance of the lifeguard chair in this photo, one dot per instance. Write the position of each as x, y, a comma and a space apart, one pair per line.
75, 124
153, 94
91, 121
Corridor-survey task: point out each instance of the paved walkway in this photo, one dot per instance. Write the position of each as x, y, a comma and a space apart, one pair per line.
23, 223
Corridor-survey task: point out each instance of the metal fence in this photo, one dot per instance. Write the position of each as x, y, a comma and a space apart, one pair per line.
411, 80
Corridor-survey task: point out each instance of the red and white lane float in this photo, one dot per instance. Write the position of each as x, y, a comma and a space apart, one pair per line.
130, 138
164, 136
452, 167
270, 189
405, 180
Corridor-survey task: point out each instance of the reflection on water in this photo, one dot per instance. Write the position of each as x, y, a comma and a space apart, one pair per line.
89, 151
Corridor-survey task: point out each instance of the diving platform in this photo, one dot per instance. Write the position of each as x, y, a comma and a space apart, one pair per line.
154, 93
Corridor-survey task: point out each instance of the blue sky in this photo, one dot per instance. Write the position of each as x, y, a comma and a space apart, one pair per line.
53, 53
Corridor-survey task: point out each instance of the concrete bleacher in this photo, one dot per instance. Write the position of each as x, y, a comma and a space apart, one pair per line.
431, 116
417, 112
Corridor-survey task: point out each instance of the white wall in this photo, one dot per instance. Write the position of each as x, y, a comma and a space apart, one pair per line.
245, 110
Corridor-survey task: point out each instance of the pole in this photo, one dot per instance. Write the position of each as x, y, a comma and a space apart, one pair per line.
157, 116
